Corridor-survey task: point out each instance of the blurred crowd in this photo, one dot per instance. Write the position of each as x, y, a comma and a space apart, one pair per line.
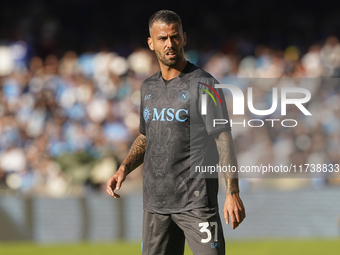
68, 122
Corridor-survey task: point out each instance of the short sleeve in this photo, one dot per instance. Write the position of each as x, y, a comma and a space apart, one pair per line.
216, 107
142, 121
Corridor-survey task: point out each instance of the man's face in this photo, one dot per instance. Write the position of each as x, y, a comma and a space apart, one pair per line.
168, 42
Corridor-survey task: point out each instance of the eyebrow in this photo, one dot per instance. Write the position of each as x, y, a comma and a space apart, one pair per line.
164, 36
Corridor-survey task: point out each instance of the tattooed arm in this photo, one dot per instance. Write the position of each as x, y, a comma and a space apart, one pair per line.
136, 154
133, 160
233, 205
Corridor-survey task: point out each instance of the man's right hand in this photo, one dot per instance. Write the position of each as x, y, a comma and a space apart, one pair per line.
133, 160
115, 182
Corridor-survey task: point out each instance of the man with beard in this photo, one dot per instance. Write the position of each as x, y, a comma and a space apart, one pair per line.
173, 137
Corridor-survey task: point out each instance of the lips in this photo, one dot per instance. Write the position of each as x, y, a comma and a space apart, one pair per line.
171, 54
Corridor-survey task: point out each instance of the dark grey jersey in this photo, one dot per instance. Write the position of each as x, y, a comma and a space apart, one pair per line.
178, 136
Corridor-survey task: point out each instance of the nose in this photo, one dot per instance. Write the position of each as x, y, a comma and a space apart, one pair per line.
169, 42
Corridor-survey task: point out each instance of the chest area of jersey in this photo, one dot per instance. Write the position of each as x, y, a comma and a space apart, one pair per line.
166, 103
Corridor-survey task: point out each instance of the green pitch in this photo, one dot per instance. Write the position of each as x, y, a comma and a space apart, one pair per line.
262, 247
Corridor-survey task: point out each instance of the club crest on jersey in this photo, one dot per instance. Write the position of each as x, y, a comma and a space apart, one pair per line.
146, 114
183, 96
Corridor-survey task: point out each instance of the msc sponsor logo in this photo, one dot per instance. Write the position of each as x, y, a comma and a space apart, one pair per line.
146, 114
166, 114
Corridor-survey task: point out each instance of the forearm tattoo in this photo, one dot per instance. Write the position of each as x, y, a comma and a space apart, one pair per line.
227, 155
136, 154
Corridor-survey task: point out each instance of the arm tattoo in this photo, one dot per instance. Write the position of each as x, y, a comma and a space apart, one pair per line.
136, 154
227, 155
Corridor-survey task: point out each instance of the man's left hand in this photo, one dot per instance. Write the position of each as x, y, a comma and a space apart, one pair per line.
234, 208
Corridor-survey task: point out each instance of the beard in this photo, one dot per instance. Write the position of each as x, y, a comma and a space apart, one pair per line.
169, 62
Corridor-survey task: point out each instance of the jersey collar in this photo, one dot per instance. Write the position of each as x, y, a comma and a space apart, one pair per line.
181, 75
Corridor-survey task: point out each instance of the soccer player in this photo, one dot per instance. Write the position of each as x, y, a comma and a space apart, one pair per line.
174, 135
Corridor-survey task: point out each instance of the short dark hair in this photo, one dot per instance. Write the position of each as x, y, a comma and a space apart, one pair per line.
166, 16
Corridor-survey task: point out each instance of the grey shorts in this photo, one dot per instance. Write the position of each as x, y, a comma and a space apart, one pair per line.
165, 234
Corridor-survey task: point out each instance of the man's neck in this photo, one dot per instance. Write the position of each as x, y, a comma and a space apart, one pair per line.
169, 73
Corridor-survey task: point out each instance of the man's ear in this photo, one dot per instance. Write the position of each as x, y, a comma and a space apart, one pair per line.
150, 43
185, 38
